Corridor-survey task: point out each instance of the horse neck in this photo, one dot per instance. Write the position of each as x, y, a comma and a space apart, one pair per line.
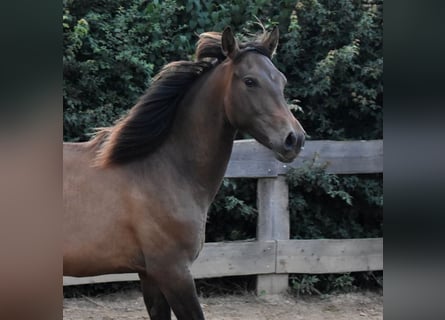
201, 139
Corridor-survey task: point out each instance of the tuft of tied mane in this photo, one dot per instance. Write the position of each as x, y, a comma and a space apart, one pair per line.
209, 46
148, 123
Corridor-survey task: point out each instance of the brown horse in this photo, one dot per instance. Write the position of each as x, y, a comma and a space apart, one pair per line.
136, 196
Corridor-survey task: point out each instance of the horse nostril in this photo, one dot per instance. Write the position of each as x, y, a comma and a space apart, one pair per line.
290, 142
303, 140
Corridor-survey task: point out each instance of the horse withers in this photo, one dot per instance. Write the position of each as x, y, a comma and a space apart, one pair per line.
136, 196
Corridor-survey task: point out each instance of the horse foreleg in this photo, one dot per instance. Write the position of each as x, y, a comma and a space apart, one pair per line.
179, 289
155, 302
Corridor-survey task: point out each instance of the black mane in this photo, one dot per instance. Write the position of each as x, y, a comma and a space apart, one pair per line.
148, 123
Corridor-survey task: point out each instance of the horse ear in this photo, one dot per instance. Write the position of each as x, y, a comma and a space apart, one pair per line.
271, 41
228, 43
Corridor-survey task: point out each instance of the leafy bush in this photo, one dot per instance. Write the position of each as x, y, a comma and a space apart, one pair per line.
233, 215
325, 205
337, 48
331, 52
110, 55
307, 284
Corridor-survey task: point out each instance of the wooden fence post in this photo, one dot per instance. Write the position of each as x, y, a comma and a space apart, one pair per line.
273, 224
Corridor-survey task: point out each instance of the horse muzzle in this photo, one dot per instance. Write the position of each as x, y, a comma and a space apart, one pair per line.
291, 147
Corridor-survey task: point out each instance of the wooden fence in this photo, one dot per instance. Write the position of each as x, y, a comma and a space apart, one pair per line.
273, 256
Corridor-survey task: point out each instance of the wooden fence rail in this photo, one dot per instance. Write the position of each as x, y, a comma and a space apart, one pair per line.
273, 256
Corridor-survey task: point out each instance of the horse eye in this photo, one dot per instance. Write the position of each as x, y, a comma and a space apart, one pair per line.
249, 82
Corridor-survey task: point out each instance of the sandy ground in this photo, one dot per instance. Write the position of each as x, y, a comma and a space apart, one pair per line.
129, 305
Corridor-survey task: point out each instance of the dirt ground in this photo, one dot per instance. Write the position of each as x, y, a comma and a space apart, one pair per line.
129, 305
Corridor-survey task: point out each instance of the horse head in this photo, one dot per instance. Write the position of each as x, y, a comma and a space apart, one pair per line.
254, 101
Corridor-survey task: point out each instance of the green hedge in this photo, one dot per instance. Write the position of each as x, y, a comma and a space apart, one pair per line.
330, 51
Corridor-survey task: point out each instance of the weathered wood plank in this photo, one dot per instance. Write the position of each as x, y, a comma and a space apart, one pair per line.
217, 259
250, 159
342, 157
293, 256
70, 281
235, 258
329, 256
